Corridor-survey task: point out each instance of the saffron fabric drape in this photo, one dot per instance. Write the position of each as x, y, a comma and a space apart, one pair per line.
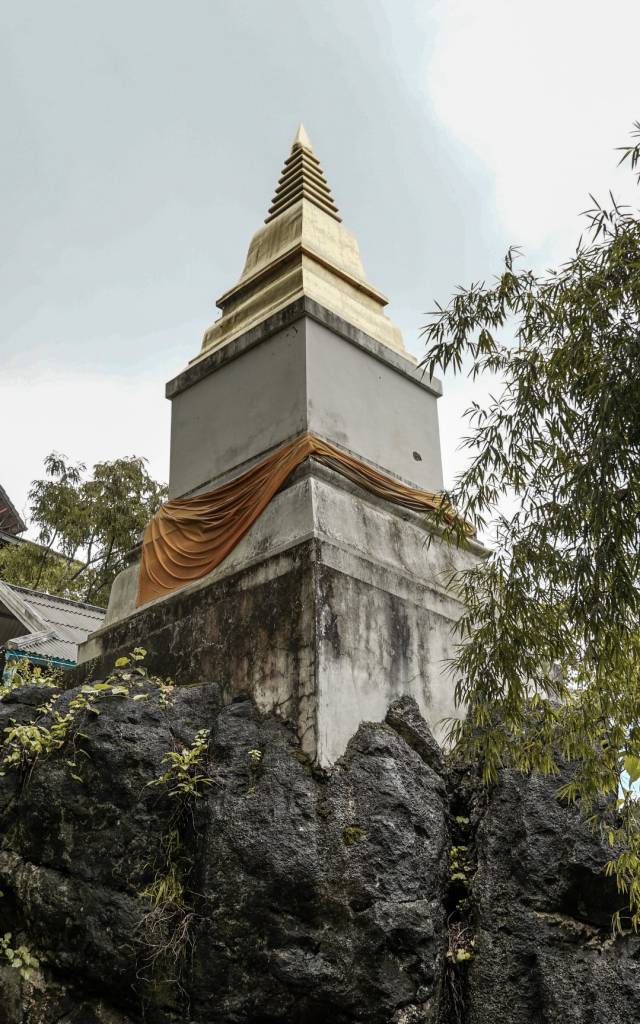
189, 537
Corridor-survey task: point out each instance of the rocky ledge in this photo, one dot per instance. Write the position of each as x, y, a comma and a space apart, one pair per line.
166, 858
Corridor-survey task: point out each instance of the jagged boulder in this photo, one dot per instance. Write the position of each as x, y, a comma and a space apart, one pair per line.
543, 909
266, 890
307, 896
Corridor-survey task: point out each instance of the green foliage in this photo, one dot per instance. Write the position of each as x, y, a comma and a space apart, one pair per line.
23, 744
255, 765
35, 566
186, 775
461, 943
164, 927
167, 887
632, 153
86, 526
20, 672
138, 654
549, 655
464, 954
20, 958
461, 867
352, 834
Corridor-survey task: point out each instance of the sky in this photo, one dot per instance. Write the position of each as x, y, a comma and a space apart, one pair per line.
143, 141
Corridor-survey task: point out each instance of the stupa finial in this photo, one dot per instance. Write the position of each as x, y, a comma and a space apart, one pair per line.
301, 138
302, 178
303, 250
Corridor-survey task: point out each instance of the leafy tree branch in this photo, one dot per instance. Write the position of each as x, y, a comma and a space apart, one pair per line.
86, 525
548, 662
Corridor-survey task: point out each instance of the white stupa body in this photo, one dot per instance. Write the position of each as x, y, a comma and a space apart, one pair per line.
334, 603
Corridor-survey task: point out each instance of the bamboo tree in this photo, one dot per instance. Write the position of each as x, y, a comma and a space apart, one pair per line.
548, 660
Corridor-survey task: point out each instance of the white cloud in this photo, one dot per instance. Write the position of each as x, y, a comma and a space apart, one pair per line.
542, 92
85, 416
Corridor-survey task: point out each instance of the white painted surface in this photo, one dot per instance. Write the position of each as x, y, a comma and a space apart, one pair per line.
305, 377
244, 408
366, 406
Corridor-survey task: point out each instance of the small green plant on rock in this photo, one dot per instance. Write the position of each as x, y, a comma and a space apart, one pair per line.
19, 672
186, 774
255, 762
460, 866
461, 943
165, 926
20, 958
25, 743
137, 654
129, 672
352, 834
167, 888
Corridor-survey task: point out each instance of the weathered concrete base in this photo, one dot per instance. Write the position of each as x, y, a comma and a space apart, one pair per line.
347, 611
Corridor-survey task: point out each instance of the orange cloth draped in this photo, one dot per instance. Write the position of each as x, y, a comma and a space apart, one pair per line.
189, 537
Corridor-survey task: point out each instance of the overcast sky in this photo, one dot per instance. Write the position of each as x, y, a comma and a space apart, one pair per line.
142, 141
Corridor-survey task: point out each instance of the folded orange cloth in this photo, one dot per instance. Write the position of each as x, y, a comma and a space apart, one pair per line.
189, 537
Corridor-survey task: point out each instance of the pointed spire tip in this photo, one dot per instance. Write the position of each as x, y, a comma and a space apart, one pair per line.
302, 178
301, 138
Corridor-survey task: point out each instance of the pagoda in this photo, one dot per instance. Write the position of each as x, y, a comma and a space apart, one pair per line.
296, 559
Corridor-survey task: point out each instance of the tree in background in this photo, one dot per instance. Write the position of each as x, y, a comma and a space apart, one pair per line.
549, 654
85, 527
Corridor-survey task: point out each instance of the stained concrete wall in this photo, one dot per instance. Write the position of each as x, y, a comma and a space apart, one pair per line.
249, 632
335, 605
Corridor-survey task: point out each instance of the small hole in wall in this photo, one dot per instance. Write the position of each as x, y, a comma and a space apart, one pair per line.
417, 456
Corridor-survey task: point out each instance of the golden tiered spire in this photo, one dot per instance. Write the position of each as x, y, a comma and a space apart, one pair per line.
303, 249
302, 178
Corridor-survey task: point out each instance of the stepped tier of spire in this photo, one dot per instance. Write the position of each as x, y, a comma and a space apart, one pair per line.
303, 249
302, 178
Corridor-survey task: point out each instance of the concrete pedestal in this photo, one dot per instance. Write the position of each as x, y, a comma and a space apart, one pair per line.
334, 603
330, 607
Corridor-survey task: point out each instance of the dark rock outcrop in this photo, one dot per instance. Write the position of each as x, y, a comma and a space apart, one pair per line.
277, 892
543, 910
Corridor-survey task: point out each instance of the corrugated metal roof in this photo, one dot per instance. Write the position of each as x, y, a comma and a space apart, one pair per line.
10, 519
10, 538
44, 645
73, 620
55, 624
